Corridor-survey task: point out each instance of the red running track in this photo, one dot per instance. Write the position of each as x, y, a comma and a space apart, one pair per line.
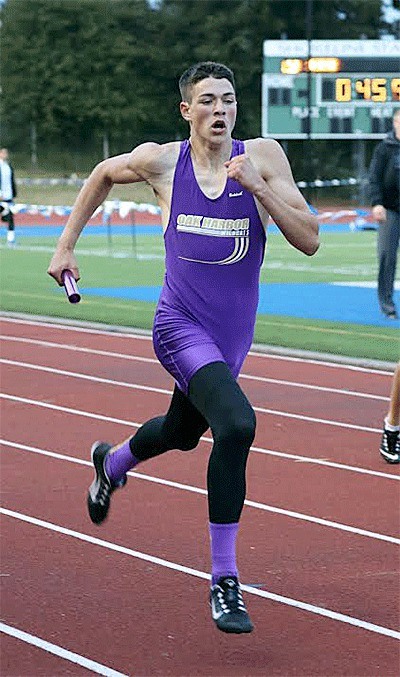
318, 543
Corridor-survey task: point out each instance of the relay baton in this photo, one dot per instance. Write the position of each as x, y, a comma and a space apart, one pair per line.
70, 286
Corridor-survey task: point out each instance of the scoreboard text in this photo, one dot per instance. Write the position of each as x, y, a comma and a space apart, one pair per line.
352, 86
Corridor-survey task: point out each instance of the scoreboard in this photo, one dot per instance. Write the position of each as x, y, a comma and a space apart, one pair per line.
329, 89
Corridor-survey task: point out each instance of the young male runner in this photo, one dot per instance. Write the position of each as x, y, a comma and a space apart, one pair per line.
216, 195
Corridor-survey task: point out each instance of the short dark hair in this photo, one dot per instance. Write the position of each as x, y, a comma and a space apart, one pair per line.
200, 71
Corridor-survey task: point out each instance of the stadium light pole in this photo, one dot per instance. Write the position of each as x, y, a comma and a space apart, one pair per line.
309, 153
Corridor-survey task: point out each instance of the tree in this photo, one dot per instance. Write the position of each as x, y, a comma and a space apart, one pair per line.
75, 68
79, 69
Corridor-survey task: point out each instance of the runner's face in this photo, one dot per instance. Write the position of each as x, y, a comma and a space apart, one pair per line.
212, 110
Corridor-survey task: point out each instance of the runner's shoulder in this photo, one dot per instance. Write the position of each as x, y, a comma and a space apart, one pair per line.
156, 157
262, 147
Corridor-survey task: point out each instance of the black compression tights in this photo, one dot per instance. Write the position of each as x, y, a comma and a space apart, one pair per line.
215, 401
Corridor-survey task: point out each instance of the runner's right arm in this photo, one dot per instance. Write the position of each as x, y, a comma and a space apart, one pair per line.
127, 168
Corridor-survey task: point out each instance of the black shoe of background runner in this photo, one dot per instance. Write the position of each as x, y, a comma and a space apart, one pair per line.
100, 490
390, 446
227, 606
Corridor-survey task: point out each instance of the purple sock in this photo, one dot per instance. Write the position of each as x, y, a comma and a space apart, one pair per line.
119, 461
223, 550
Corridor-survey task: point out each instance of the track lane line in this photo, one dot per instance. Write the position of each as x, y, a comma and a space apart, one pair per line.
304, 606
85, 377
149, 360
259, 450
198, 490
164, 391
103, 332
79, 349
84, 330
60, 652
309, 386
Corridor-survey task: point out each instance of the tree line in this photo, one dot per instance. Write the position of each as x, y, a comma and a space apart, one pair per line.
76, 74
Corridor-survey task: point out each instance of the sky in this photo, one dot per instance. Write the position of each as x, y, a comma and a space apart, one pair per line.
390, 14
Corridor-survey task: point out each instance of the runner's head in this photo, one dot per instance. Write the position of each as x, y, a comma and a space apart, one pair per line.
209, 102
200, 71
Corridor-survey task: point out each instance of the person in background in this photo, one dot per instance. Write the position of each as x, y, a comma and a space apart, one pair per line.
8, 192
384, 182
390, 442
216, 194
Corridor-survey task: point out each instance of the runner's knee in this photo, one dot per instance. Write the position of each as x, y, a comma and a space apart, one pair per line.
183, 437
236, 430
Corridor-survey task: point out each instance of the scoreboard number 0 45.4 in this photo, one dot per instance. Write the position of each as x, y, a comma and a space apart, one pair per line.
369, 89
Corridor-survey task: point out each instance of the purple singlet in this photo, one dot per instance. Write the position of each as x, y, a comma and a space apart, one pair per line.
214, 250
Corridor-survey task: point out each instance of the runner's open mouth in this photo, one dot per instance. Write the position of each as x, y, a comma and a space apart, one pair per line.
219, 124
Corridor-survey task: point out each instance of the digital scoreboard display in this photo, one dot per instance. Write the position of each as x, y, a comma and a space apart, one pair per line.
379, 90
352, 86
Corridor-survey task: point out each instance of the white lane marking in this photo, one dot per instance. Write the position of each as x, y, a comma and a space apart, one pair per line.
98, 252
144, 337
59, 651
309, 386
259, 450
85, 377
312, 419
311, 608
163, 391
68, 410
365, 285
79, 349
198, 490
320, 461
149, 360
73, 328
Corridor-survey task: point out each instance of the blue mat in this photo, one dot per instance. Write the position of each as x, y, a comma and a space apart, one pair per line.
118, 229
55, 231
329, 302
334, 303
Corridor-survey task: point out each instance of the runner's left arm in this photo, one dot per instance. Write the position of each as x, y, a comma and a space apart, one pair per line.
265, 171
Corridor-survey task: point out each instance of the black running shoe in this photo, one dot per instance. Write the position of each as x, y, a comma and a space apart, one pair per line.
101, 488
227, 606
390, 446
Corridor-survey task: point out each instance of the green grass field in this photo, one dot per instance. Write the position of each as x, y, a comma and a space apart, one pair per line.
26, 288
